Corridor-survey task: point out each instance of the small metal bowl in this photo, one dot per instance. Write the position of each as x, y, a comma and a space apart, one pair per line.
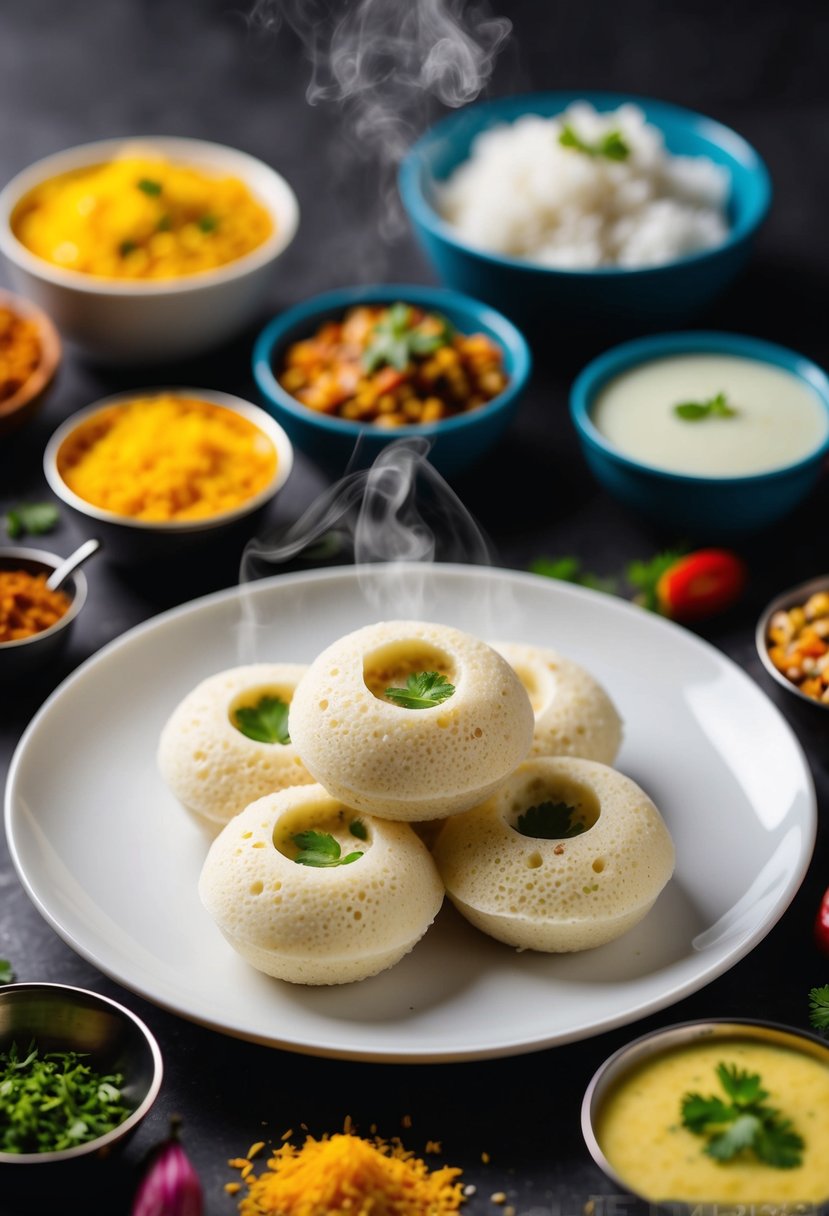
632, 1055
60, 1018
790, 599
28, 654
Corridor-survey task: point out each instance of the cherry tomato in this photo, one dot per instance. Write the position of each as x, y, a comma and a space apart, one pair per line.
701, 584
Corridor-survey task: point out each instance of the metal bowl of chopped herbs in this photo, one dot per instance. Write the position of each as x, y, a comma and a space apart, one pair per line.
78, 1073
723, 1111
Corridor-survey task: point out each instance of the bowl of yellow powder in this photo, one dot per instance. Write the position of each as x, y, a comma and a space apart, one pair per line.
167, 467
148, 249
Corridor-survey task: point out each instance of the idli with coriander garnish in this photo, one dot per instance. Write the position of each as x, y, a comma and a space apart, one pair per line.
409, 720
309, 891
574, 716
227, 742
567, 855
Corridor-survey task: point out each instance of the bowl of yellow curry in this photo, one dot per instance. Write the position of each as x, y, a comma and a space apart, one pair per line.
148, 249
715, 1115
164, 471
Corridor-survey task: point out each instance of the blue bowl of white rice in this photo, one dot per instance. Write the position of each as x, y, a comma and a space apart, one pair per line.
576, 209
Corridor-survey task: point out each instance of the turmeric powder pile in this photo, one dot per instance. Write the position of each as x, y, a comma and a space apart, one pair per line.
345, 1175
27, 606
20, 352
166, 458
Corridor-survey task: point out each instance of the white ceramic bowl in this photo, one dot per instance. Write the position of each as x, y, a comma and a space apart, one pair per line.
126, 539
129, 321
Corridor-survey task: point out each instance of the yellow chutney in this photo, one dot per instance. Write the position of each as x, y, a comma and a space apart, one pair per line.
639, 1125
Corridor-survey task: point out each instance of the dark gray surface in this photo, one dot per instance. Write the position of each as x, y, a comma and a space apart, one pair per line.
77, 71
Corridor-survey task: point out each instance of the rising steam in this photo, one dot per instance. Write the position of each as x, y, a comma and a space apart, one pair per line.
399, 512
384, 61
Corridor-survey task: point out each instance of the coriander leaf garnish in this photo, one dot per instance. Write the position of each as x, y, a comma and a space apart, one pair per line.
358, 828
208, 223
320, 849
266, 721
550, 821
149, 186
54, 1100
395, 339
423, 690
645, 575
611, 146
36, 518
570, 570
127, 247
163, 224
745, 1124
7, 975
715, 407
819, 1008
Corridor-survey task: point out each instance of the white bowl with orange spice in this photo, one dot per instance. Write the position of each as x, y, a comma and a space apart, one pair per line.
159, 470
146, 249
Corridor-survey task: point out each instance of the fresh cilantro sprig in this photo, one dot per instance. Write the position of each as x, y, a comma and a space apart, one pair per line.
34, 518
742, 1122
570, 570
645, 575
550, 821
266, 721
321, 850
149, 186
715, 407
54, 1100
611, 145
208, 223
423, 690
7, 975
396, 340
819, 1008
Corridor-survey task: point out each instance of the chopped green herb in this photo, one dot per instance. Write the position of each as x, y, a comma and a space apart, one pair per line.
569, 570
423, 690
7, 975
395, 340
611, 146
54, 1101
36, 518
127, 247
266, 721
550, 821
819, 1008
743, 1124
163, 224
320, 849
714, 407
358, 828
149, 186
208, 223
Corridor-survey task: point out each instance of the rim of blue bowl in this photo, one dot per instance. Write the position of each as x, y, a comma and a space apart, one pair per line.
719, 342
415, 162
293, 319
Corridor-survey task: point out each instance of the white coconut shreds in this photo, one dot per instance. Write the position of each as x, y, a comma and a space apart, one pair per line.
523, 194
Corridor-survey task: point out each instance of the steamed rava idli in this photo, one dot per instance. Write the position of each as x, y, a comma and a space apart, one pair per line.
227, 742
574, 716
567, 855
309, 891
456, 722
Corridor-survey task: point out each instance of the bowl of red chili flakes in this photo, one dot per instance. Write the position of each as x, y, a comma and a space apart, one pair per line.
30, 352
373, 364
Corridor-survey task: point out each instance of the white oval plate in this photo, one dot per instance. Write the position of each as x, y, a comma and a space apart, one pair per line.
112, 862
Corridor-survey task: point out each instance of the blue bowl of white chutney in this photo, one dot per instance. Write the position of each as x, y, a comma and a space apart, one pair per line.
700, 504
615, 298
457, 442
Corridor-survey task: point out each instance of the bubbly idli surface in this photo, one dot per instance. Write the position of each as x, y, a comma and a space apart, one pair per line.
574, 716
209, 763
567, 855
369, 892
406, 763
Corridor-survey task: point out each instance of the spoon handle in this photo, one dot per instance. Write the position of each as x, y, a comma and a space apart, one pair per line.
62, 572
